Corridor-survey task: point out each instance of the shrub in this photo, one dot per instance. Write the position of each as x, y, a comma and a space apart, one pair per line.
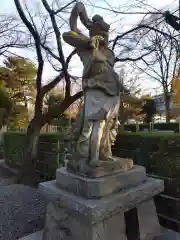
159, 126
49, 156
159, 153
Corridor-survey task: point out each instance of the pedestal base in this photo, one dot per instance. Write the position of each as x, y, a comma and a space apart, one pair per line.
102, 186
167, 234
71, 217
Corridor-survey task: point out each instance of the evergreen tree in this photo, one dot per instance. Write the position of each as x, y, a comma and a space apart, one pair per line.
18, 75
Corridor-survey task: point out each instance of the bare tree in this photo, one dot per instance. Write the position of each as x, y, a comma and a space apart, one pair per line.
41, 118
129, 100
161, 64
45, 31
11, 34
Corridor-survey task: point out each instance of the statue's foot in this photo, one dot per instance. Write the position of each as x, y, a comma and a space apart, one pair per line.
108, 158
94, 163
78, 166
111, 159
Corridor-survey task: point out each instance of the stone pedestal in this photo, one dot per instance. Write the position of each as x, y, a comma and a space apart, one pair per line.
118, 207
91, 188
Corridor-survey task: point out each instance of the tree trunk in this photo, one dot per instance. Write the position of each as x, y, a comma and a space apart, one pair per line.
27, 174
121, 116
167, 107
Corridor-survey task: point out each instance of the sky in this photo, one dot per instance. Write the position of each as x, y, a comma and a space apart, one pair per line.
118, 22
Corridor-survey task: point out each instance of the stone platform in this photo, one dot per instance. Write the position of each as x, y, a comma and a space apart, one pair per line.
126, 214
167, 234
101, 186
34, 236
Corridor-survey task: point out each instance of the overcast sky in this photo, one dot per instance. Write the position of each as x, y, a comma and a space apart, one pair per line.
7, 6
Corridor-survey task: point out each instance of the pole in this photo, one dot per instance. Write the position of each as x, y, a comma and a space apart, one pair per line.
121, 95
179, 11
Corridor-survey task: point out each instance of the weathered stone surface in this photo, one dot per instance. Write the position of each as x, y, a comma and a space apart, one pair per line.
99, 187
34, 236
62, 226
105, 168
167, 234
71, 217
92, 155
113, 228
149, 226
93, 211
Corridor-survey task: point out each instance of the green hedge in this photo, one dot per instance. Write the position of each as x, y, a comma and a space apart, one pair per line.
1, 149
159, 153
50, 152
63, 121
159, 126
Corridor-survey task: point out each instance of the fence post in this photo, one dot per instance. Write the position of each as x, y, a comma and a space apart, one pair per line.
137, 127
151, 126
58, 152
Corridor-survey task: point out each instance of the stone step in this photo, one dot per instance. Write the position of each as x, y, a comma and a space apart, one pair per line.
33, 236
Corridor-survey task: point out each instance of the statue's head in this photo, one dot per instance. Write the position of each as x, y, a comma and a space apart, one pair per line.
98, 20
99, 27
97, 17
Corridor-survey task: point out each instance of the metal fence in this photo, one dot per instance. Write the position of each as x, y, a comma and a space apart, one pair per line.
152, 127
50, 155
45, 129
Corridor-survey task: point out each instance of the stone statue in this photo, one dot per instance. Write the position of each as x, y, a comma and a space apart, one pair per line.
98, 124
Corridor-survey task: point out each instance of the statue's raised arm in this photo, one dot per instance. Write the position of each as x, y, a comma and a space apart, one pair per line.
98, 29
79, 11
74, 37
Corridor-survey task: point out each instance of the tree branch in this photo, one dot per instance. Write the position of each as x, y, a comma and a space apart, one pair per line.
57, 110
132, 59
57, 79
64, 7
51, 52
52, 84
37, 43
139, 27
59, 46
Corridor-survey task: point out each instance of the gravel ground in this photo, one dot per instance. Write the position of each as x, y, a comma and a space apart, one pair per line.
7, 176
22, 211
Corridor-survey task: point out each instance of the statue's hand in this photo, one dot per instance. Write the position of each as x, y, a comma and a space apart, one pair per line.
95, 41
